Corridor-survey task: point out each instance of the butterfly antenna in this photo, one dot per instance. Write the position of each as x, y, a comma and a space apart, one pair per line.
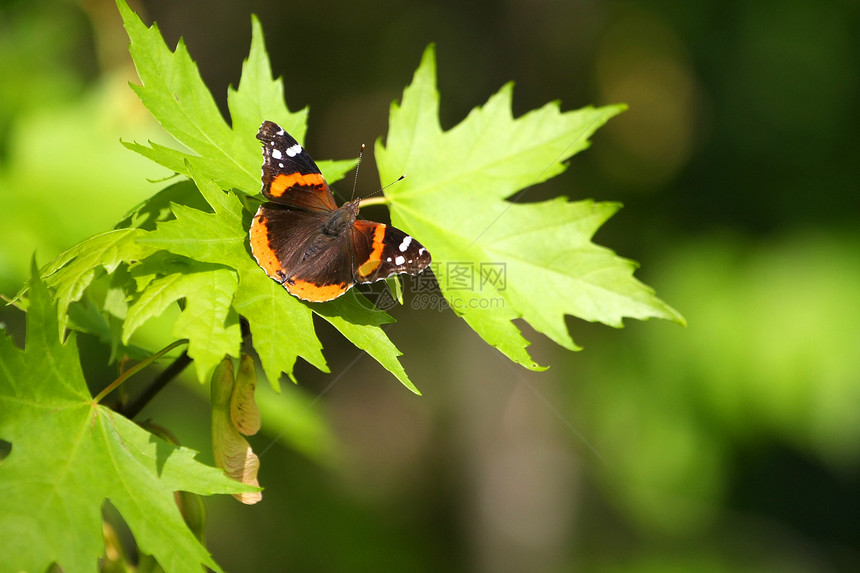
357, 165
370, 200
401, 178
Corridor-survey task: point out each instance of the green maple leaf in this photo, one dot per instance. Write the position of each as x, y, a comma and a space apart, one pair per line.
530, 261
175, 94
173, 91
73, 270
69, 454
207, 320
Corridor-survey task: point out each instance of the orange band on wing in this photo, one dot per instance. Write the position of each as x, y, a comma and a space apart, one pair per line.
264, 254
283, 182
316, 293
375, 258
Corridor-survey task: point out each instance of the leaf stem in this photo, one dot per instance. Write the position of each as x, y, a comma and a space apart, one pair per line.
135, 369
373, 201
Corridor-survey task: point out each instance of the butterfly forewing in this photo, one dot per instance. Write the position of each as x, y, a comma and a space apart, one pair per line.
290, 176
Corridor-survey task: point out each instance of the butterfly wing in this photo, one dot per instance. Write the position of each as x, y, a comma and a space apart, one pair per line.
288, 244
290, 176
381, 251
324, 276
279, 236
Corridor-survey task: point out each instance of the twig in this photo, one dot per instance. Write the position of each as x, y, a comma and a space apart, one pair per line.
134, 407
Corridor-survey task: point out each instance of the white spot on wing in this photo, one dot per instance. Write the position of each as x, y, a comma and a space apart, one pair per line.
294, 150
281, 165
405, 244
281, 131
421, 251
399, 260
277, 154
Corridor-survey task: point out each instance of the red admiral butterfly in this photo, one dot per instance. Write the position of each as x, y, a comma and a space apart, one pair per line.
303, 240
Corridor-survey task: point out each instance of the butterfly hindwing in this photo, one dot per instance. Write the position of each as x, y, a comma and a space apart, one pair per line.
279, 235
383, 251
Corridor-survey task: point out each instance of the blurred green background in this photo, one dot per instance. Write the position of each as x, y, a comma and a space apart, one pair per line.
731, 445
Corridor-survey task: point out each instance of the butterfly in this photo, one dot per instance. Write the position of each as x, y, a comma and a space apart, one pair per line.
304, 241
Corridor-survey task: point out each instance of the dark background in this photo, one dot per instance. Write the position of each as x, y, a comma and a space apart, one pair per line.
729, 445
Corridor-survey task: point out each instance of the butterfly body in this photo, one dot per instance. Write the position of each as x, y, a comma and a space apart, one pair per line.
314, 248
